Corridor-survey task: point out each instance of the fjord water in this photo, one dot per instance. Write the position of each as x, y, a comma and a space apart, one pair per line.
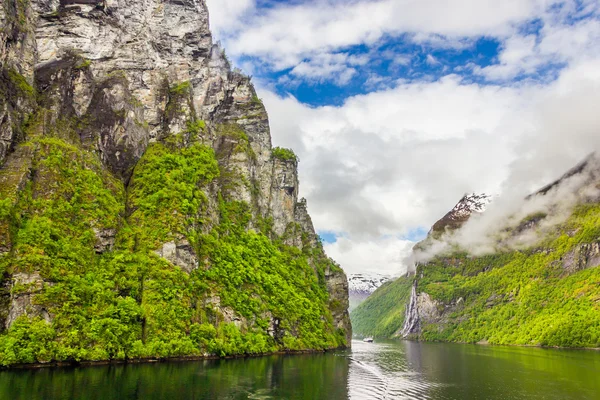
386, 370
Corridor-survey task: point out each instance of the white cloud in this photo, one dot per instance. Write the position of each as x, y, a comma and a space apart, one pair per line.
285, 34
383, 255
225, 14
558, 43
401, 59
431, 60
336, 67
312, 37
388, 162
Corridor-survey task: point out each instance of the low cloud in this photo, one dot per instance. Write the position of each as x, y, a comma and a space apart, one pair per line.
518, 223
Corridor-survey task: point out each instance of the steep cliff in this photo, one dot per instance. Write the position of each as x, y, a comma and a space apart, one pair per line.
143, 210
540, 285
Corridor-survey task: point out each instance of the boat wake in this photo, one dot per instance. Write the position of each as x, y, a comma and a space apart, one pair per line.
367, 381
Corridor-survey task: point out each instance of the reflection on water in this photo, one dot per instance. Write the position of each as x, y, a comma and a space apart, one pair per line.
410, 370
387, 370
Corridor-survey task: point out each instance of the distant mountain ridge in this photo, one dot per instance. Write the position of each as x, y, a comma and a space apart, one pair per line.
361, 286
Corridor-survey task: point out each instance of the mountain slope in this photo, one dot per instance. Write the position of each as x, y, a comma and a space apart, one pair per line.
383, 312
143, 210
543, 291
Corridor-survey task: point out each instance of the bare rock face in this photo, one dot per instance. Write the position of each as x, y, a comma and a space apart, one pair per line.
470, 204
17, 58
307, 236
24, 288
337, 286
423, 310
284, 194
179, 253
105, 240
584, 256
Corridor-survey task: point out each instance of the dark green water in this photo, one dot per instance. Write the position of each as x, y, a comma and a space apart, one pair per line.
389, 370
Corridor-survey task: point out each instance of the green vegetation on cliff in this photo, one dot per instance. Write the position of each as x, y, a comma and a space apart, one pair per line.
547, 295
83, 261
382, 313
522, 297
284, 154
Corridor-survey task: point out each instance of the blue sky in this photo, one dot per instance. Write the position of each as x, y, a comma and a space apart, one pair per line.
398, 108
397, 59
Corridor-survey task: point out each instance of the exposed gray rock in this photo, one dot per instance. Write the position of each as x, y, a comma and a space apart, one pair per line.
423, 310
179, 253
23, 290
428, 309
337, 286
105, 239
17, 57
4, 302
582, 257
223, 314
284, 194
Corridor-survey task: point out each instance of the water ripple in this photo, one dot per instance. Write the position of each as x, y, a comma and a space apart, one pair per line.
376, 372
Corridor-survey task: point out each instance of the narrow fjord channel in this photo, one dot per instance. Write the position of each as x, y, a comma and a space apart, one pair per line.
381, 370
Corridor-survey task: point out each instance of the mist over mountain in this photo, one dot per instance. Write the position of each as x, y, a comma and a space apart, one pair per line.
524, 271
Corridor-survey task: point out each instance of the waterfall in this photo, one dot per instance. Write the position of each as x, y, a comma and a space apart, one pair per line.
411, 320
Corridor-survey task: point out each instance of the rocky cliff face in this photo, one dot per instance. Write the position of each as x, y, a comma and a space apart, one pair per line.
121, 86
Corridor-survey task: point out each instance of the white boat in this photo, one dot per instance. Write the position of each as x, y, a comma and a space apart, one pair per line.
368, 340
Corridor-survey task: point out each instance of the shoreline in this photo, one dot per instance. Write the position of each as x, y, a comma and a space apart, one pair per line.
152, 360
486, 344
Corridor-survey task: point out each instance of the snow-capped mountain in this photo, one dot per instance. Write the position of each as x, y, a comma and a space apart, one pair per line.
471, 203
360, 286
366, 283
467, 206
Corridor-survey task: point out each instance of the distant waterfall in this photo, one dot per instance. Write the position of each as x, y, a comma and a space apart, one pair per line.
411, 320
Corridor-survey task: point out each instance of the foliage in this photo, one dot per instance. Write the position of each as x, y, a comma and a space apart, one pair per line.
83, 63
283, 154
382, 314
130, 303
277, 280
21, 84
235, 134
256, 100
165, 193
518, 297
180, 88
195, 128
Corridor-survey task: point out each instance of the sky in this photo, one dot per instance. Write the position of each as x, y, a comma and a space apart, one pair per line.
397, 108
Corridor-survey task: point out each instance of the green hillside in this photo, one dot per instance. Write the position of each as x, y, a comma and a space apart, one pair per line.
545, 295
129, 302
382, 313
